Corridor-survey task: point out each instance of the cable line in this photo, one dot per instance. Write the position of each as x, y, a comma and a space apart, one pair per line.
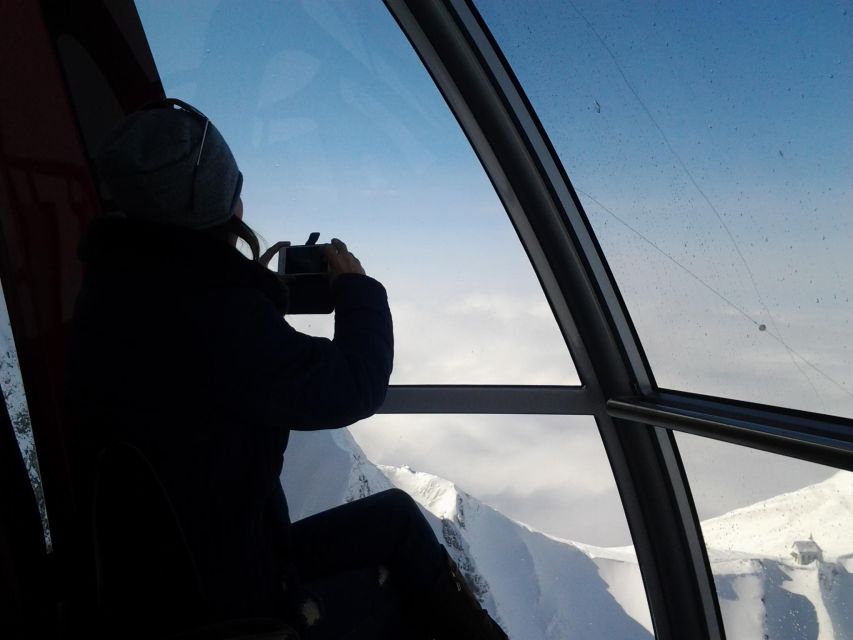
721, 296
707, 200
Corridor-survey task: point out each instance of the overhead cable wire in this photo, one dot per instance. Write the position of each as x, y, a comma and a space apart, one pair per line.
698, 188
721, 296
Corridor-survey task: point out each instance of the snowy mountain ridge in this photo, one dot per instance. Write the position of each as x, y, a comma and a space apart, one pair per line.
768, 528
542, 587
534, 586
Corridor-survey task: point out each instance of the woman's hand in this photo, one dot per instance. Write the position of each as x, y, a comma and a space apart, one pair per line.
341, 260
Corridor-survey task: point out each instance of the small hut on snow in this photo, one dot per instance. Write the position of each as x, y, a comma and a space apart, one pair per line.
806, 551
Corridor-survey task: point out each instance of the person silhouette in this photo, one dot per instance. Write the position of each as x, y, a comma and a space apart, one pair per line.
180, 348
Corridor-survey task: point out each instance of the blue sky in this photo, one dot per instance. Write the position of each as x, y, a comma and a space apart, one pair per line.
339, 129
720, 131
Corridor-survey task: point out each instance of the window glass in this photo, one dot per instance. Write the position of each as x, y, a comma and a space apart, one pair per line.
711, 146
338, 128
778, 537
16, 404
526, 504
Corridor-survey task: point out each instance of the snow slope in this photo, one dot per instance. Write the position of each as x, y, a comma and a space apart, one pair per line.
766, 598
761, 589
768, 528
535, 586
540, 587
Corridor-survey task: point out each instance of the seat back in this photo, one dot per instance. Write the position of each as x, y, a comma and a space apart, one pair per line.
145, 572
148, 585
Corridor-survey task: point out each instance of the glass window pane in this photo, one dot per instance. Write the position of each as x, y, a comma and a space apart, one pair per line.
778, 533
338, 128
711, 145
526, 504
12, 386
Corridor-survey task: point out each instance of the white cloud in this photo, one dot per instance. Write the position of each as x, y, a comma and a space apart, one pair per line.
482, 339
550, 472
467, 309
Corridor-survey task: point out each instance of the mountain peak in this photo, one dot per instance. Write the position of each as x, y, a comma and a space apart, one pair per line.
769, 528
437, 495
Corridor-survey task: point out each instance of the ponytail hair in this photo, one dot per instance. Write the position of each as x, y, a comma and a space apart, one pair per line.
235, 226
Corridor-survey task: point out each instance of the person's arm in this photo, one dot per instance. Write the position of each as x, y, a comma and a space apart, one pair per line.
344, 380
298, 381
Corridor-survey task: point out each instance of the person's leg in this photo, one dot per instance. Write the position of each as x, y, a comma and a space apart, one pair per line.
353, 605
386, 529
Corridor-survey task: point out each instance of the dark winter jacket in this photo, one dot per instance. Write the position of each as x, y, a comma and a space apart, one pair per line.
180, 348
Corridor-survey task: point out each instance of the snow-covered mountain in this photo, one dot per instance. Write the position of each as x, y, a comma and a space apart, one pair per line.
540, 587
763, 592
12, 387
535, 586
768, 528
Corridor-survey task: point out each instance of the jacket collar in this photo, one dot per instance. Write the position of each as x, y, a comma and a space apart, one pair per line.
170, 257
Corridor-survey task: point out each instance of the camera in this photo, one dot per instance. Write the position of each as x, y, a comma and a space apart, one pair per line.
307, 259
305, 271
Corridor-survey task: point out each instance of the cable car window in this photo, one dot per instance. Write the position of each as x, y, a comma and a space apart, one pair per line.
338, 128
711, 146
778, 541
19, 413
526, 504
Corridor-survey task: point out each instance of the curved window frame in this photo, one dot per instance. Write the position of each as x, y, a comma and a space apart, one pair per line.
635, 417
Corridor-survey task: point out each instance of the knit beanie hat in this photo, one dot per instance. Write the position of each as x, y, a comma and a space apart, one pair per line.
170, 166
